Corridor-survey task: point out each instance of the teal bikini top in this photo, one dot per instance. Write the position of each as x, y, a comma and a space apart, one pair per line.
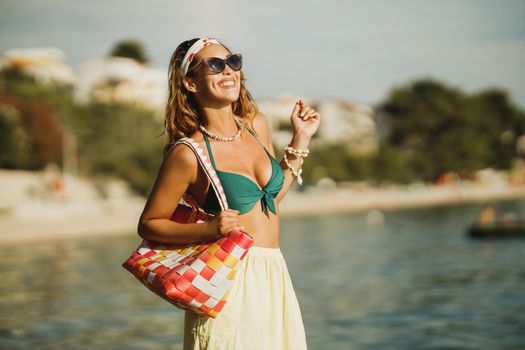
241, 192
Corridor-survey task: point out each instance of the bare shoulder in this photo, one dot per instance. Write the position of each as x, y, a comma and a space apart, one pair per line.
181, 158
261, 126
182, 154
260, 122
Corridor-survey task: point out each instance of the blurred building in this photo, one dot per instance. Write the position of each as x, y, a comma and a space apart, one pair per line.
105, 80
342, 121
123, 80
47, 65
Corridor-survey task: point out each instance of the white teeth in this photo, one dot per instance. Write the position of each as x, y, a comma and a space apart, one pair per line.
228, 83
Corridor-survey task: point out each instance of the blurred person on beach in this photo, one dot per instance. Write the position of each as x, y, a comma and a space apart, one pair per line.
209, 103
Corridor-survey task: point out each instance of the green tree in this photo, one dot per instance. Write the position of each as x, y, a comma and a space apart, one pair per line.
120, 140
31, 135
116, 140
130, 48
13, 139
446, 129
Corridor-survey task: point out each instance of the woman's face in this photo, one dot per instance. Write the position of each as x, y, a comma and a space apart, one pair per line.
207, 86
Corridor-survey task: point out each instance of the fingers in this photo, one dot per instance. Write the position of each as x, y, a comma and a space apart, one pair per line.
229, 212
229, 217
297, 108
229, 220
304, 111
310, 113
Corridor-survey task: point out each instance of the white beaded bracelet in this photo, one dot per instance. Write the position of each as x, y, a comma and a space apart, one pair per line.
299, 153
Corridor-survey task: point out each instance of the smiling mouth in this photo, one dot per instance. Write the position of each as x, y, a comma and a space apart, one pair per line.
228, 84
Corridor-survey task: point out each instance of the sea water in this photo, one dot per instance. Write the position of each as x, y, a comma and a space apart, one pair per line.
412, 280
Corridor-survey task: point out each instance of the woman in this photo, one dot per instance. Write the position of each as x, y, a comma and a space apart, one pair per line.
209, 103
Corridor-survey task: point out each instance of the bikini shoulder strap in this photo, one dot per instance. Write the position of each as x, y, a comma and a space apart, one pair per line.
253, 133
209, 151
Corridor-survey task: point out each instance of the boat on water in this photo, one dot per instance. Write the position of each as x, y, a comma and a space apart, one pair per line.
515, 229
491, 224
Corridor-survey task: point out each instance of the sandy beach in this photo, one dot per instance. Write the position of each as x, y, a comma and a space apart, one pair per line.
34, 221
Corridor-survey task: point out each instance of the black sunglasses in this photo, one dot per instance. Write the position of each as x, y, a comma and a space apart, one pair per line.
217, 65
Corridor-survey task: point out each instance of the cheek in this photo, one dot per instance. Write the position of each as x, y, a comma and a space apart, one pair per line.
206, 84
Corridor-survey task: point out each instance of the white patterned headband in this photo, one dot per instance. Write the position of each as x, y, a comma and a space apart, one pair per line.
192, 51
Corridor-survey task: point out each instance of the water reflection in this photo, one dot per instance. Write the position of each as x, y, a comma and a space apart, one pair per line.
414, 282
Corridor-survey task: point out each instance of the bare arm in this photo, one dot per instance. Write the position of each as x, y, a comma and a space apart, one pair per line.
177, 172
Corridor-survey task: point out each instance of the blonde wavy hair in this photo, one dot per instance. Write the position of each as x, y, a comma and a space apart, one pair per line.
181, 118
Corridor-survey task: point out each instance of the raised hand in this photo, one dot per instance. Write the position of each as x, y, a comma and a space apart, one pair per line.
305, 120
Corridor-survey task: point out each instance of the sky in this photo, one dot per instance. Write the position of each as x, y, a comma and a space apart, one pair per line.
354, 50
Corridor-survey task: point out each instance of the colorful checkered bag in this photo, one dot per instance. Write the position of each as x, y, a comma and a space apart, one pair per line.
195, 277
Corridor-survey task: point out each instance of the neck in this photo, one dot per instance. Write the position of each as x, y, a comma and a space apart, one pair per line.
219, 121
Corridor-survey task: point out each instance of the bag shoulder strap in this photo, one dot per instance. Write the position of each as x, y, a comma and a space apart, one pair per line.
206, 166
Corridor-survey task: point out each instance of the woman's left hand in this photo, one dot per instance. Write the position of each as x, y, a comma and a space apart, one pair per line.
305, 120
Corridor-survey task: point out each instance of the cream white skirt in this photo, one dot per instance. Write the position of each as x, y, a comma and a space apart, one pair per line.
261, 312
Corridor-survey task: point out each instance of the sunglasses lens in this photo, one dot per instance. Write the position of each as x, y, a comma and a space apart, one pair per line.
235, 62
215, 64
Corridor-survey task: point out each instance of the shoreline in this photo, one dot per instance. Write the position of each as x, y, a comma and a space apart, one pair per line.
107, 219
317, 201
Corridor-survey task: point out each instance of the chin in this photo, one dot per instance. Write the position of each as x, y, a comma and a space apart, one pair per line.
231, 97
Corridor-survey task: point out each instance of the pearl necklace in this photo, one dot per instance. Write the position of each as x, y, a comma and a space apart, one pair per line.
240, 125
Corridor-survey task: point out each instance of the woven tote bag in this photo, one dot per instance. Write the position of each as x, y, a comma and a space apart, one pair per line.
198, 276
